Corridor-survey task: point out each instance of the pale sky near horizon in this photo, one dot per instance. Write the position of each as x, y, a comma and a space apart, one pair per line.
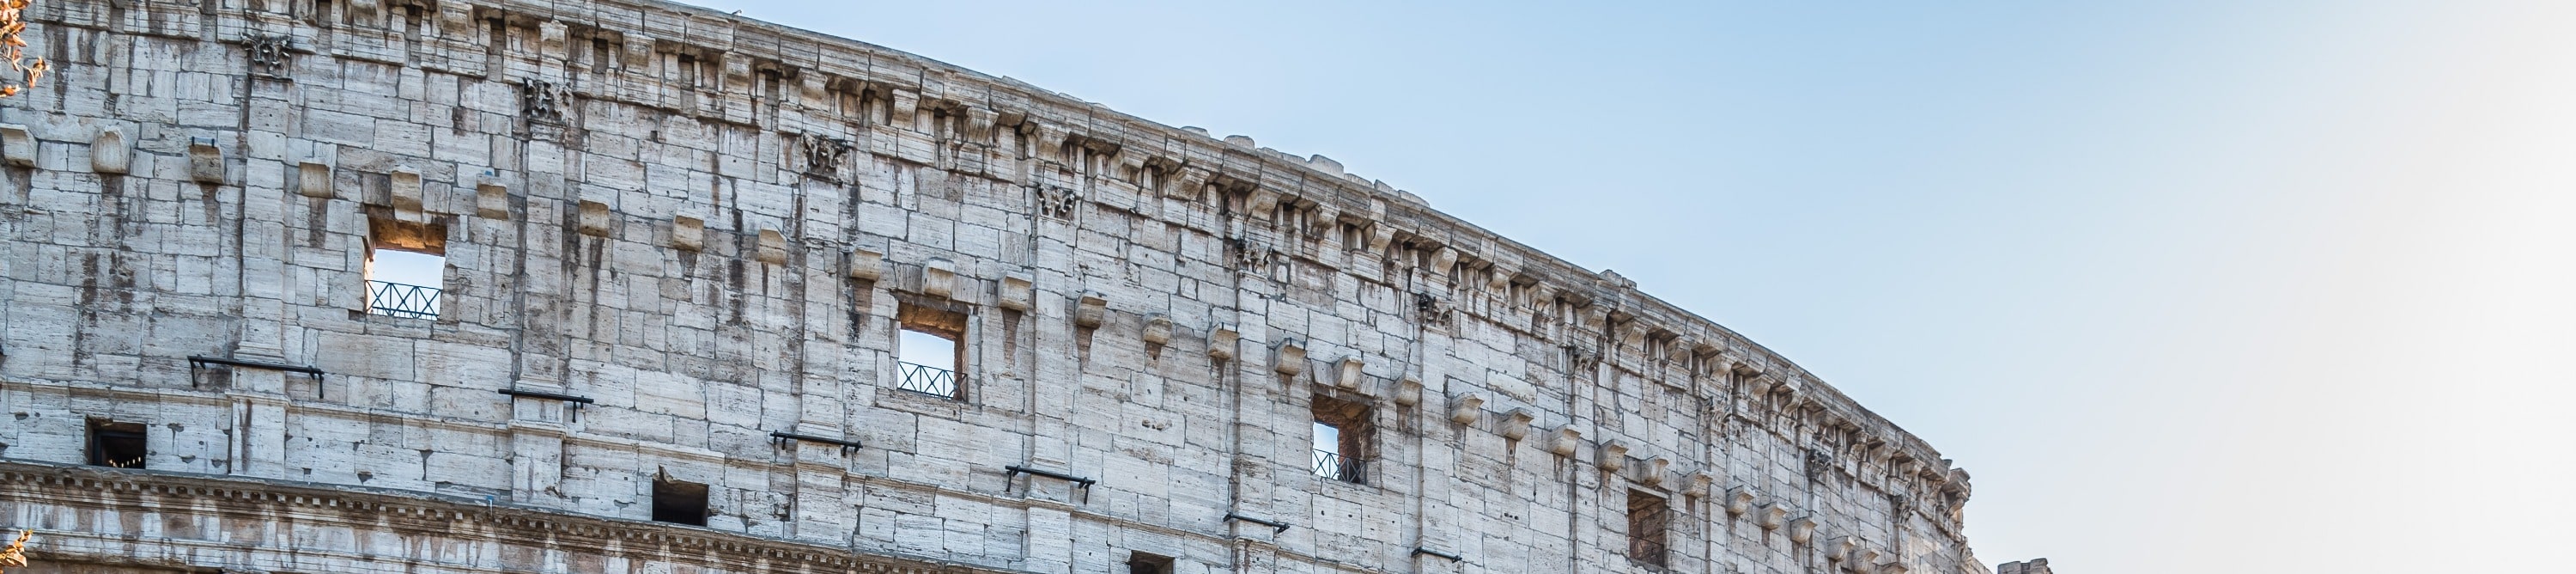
2189, 286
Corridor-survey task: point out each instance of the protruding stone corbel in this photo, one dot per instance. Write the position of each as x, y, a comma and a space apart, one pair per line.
866, 264
1652, 474
1467, 408
1771, 516
17, 147
405, 187
1862, 559
111, 151
313, 178
938, 278
1566, 441
1090, 310
1443, 259
1802, 529
1698, 485
1840, 548
773, 247
1408, 391
594, 218
1222, 340
1347, 374
1498, 279
205, 161
979, 124
1379, 236
1262, 202
1158, 329
688, 233
1018, 292
491, 197
1612, 456
1289, 356
550, 40
1739, 500
1516, 424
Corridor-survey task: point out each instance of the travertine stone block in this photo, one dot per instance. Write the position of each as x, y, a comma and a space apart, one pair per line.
1652, 473
491, 198
1770, 516
1739, 500
866, 264
1612, 456
405, 186
111, 151
17, 147
1288, 357
1158, 329
1222, 340
1090, 310
594, 218
1802, 529
1566, 441
1467, 408
1347, 373
313, 178
688, 233
1408, 391
1017, 292
1516, 424
205, 161
773, 251
938, 277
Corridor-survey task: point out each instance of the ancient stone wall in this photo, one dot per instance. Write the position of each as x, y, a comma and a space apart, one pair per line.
679, 247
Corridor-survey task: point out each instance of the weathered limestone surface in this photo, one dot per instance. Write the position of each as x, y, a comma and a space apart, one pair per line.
707, 224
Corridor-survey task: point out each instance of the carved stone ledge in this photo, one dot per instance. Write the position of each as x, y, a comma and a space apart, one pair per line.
17, 146
1516, 424
1158, 329
867, 264
1408, 391
313, 178
1347, 374
1566, 441
773, 247
1222, 340
1090, 310
1612, 456
205, 161
1771, 516
1018, 292
1466, 408
1288, 357
1739, 500
688, 233
594, 219
938, 278
111, 152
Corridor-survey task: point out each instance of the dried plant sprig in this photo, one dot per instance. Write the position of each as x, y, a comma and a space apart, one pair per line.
13, 48
15, 555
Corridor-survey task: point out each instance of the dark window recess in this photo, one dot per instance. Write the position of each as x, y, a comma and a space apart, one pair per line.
116, 444
1145, 563
1342, 439
679, 502
1647, 517
930, 350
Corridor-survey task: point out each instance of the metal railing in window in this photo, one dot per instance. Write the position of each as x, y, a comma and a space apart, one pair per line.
928, 380
1333, 465
399, 300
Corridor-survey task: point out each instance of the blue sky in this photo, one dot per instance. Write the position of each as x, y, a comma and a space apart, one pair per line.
2188, 286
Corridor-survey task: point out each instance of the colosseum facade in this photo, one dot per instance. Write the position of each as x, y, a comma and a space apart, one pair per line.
708, 295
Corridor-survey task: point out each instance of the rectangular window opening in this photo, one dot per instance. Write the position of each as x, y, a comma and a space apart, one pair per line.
1647, 518
1147, 563
115, 444
679, 502
1341, 440
406, 268
930, 351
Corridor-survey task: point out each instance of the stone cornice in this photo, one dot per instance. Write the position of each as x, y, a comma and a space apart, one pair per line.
106, 488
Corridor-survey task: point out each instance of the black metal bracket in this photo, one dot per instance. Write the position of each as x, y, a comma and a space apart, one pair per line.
197, 361
1418, 551
1275, 527
1014, 471
569, 400
846, 445
544, 395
